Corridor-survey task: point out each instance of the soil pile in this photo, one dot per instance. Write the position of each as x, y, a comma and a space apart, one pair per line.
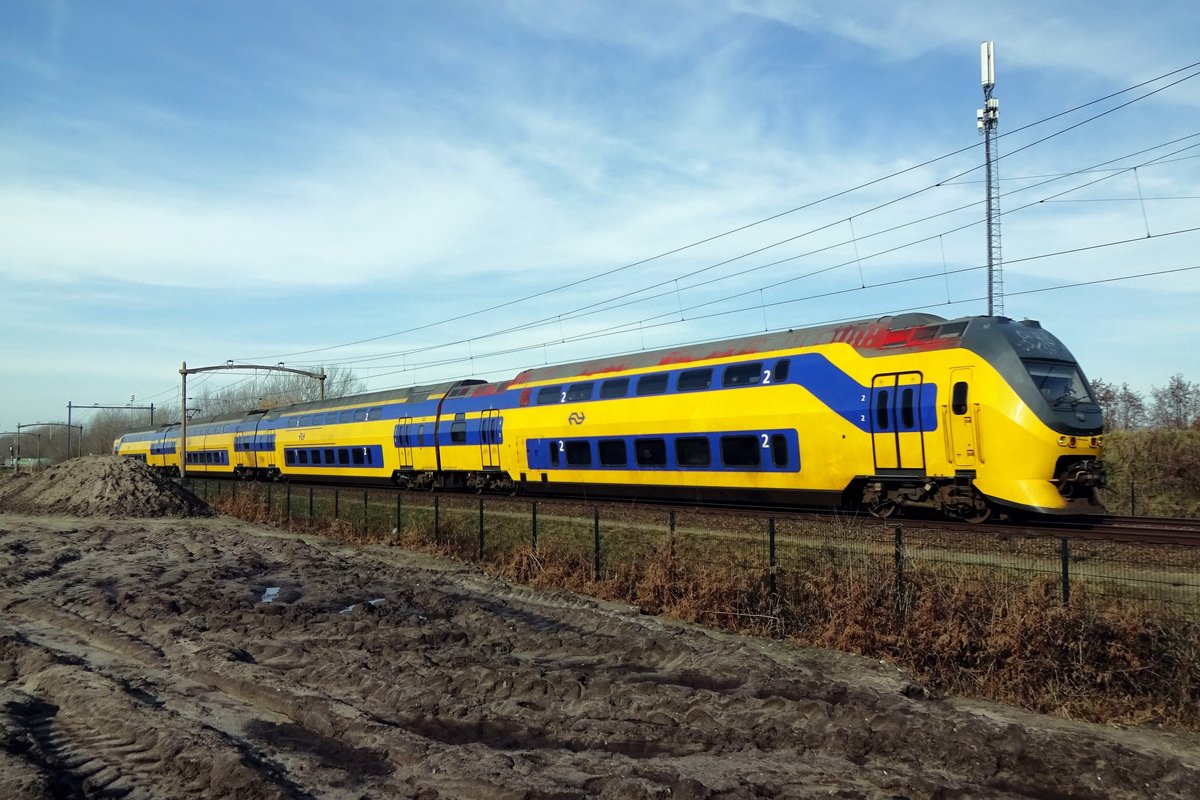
100, 486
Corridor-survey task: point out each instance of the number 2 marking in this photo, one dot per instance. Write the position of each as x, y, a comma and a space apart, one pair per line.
766, 377
766, 444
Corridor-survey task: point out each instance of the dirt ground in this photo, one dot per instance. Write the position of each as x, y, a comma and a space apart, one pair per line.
196, 656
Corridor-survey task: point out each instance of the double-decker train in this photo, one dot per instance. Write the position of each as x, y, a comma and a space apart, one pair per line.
963, 417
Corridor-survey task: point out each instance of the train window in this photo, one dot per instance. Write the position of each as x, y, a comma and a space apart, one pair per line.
741, 451
652, 384
579, 453
343, 455
421, 435
289, 457
360, 415
692, 451
458, 429
549, 394
306, 420
346, 416
650, 452
908, 417
881, 410
374, 413
742, 375
329, 459
694, 380
958, 398
554, 453
360, 455
779, 450
781, 370
952, 329
617, 387
303, 456
612, 453
579, 392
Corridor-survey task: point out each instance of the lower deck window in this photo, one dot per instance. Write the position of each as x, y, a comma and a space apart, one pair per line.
692, 451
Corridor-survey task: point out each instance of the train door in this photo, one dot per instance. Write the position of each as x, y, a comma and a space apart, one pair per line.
896, 425
962, 424
404, 442
489, 438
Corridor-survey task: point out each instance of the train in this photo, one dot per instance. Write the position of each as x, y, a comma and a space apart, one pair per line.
967, 418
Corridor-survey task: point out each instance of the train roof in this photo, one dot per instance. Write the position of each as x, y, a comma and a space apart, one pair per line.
863, 334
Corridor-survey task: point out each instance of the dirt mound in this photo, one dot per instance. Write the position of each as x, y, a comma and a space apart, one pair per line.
100, 486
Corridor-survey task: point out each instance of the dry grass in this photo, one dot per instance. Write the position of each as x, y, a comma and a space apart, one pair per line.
984, 633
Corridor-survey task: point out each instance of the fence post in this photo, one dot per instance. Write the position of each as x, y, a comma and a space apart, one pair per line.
437, 520
899, 560
596, 545
533, 524
1064, 552
771, 558
481, 529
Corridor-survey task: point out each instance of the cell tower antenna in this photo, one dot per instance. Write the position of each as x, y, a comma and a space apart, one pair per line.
987, 119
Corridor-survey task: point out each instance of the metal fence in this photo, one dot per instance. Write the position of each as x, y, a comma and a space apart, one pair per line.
750, 568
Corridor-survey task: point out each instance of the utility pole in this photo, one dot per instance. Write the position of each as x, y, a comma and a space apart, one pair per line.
986, 120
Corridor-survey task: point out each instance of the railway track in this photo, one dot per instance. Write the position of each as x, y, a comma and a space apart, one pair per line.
1129, 529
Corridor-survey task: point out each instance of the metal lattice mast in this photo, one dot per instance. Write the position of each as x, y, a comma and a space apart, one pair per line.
987, 119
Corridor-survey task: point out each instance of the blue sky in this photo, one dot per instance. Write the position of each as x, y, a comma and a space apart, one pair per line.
272, 181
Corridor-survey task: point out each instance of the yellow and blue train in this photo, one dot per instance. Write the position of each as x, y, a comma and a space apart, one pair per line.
963, 417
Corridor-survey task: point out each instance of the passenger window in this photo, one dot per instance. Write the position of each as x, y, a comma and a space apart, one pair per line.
741, 451
554, 454
652, 384
742, 375
579, 453
359, 454
612, 453
958, 398
694, 380
651, 452
692, 451
316, 457
346, 416
289, 457
303, 456
360, 415
779, 450
908, 418
580, 392
329, 459
343, 455
781, 370
549, 394
458, 429
617, 387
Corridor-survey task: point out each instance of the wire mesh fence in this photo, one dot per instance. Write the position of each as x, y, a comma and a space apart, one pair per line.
755, 571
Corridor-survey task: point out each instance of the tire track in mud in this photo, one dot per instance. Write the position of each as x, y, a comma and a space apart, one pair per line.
154, 667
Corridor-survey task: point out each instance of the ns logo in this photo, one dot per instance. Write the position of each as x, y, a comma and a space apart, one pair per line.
576, 418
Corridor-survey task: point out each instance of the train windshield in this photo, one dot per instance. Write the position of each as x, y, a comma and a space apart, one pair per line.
1059, 383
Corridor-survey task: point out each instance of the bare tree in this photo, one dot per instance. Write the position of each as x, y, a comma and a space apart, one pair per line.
1124, 409
1176, 405
274, 389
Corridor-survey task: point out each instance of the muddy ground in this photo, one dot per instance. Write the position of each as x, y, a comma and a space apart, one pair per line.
198, 657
